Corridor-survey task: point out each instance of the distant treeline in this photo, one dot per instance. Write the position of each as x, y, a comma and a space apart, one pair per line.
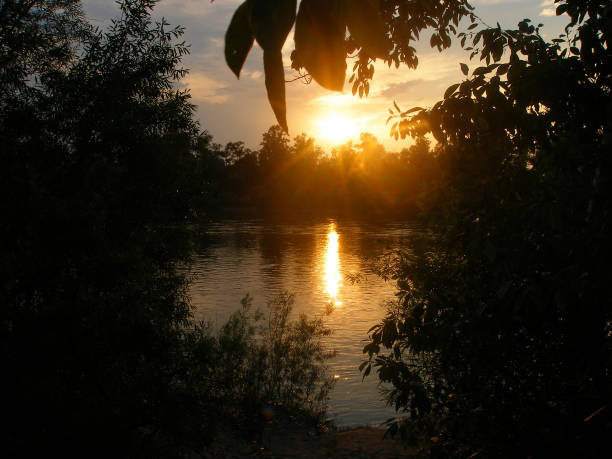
298, 177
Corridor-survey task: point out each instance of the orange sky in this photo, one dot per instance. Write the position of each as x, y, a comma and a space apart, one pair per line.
232, 109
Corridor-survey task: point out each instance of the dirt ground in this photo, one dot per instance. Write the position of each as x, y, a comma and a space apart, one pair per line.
299, 442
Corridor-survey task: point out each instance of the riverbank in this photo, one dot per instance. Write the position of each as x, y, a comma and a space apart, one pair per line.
299, 442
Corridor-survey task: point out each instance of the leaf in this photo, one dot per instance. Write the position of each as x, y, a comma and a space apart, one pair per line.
319, 42
271, 22
396, 107
503, 69
561, 9
367, 27
464, 68
480, 71
239, 38
434, 40
367, 371
275, 85
412, 110
450, 90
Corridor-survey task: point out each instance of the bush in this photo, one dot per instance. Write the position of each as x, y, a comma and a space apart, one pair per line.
261, 367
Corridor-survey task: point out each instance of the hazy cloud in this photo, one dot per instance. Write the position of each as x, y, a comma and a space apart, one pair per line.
548, 12
395, 89
205, 89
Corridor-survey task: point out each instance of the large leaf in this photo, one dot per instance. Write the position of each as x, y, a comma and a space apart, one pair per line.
275, 85
319, 42
239, 38
271, 21
367, 27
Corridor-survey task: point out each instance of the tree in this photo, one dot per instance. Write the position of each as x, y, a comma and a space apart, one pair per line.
36, 37
95, 177
502, 320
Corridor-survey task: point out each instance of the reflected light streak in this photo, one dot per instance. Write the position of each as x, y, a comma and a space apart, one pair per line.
332, 265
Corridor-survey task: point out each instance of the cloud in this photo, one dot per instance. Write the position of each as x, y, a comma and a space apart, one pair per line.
403, 87
548, 12
205, 89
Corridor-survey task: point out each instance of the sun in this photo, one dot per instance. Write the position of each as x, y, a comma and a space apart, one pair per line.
337, 128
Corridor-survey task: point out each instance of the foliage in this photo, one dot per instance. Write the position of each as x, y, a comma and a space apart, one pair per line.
36, 37
296, 178
259, 366
500, 341
96, 178
380, 29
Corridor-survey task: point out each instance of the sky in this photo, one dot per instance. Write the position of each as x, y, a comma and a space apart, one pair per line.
237, 109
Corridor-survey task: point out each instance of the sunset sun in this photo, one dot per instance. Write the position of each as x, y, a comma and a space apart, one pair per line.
337, 128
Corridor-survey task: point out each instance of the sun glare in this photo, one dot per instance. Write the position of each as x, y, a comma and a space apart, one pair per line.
337, 128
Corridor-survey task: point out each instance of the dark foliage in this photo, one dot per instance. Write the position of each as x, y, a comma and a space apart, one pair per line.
297, 178
95, 176
500, 342
379, 29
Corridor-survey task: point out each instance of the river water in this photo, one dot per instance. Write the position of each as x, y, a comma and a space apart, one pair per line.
317, 262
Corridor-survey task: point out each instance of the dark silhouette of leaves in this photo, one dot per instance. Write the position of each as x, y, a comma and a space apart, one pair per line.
271, 22
268, 22
275, 85
367, 27
239, 37
319, 42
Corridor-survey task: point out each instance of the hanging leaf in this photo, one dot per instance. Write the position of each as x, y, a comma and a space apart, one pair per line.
271, 21
450, 90
275, 85
367, 27
464, 68
239, 38
319, 42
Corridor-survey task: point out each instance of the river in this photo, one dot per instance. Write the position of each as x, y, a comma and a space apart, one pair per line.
317, 262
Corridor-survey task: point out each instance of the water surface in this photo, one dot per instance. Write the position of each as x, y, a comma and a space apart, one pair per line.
315, 261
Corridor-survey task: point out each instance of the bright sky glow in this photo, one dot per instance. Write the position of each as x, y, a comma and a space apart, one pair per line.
233, 110
337, 128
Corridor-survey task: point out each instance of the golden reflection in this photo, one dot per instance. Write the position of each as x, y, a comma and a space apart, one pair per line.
332, 265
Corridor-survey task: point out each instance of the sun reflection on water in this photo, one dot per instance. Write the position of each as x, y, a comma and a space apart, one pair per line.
332, 265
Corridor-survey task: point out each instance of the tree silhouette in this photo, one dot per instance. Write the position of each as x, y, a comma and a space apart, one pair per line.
96, 180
